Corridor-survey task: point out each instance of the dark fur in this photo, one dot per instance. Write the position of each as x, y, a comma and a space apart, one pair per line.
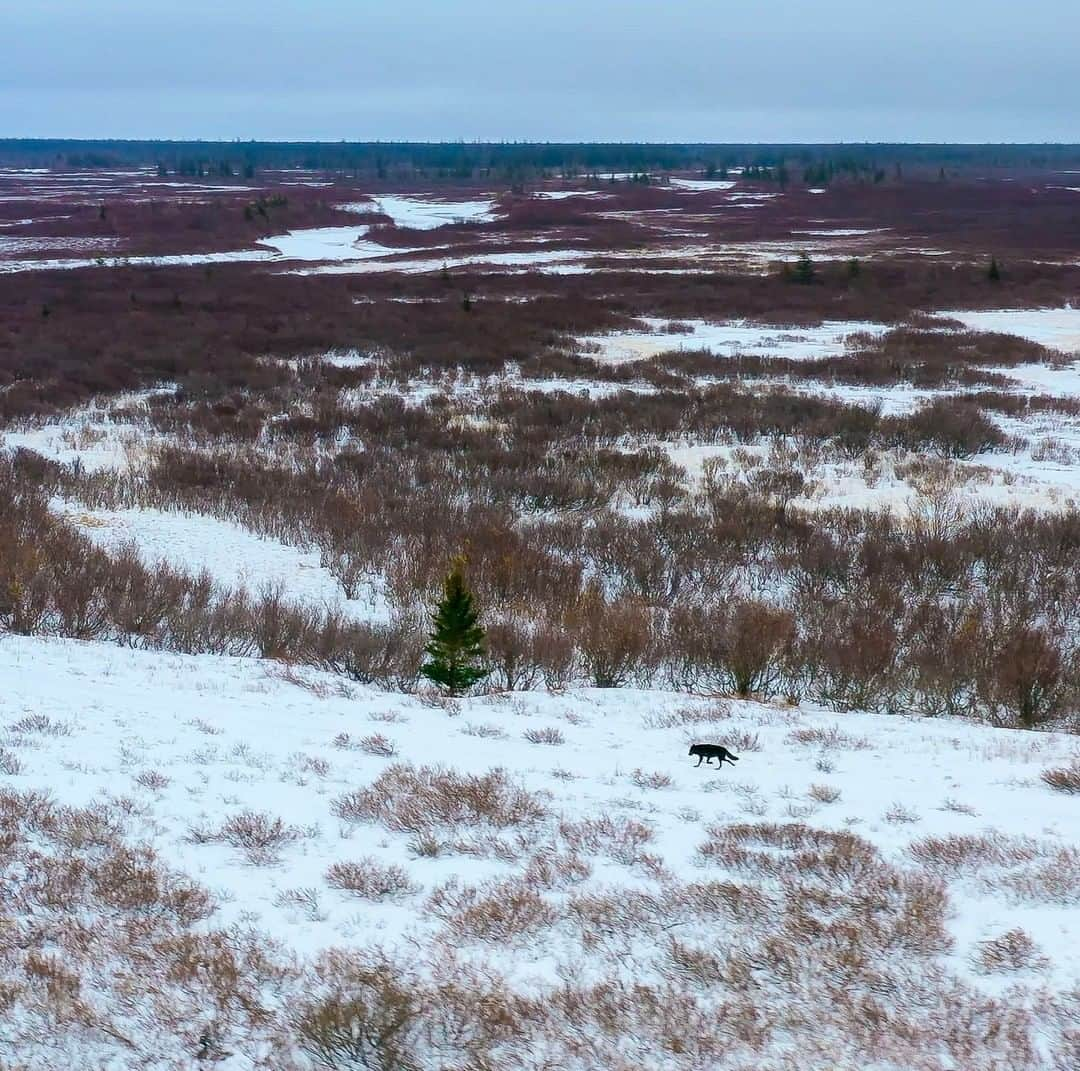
708, 752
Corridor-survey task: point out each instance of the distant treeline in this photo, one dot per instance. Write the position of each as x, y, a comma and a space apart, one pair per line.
519, 160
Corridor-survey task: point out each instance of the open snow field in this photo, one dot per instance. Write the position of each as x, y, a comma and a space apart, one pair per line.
183, 746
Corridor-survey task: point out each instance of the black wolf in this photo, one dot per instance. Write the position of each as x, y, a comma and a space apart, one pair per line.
708, 752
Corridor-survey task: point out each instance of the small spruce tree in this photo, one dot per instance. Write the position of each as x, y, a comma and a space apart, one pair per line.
804, 269
994, 272
456, 648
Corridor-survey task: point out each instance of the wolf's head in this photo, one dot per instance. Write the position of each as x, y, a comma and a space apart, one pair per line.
695, 749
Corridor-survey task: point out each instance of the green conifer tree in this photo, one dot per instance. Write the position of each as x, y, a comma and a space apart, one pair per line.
804, 270
456, 647
994, 272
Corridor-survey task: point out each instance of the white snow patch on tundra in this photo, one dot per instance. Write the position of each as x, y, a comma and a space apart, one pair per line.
729, 338
1058, 329
425, 214
232, 554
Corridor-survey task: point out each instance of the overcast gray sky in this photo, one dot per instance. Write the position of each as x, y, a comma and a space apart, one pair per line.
569, 70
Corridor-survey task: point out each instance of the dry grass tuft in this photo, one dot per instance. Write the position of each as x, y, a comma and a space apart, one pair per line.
824, 793
547, 735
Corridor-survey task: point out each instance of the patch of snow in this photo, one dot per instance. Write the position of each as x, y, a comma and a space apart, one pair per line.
425, 214
325, 243
233, 555
727, 339
1058, 329
701, 184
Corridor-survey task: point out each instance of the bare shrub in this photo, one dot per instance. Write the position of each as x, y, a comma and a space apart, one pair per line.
706, 713
377, 744
303, 899
303, 765
390, 717
486, 732
1012, 951
899, 814
500, 911
1054, 879
370, 1016
260, 836
10, 763
1030, 676
741, 740
39, 724
656, 779
406, 799
370, 880
515, 658
154, 780
824, 793
1064, 778
551, 869
958, 852
620, 839
614, 638
950, 804
832, 738
547, 735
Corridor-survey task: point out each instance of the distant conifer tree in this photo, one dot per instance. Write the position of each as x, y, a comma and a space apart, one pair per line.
456, 647
803, 271
994, 272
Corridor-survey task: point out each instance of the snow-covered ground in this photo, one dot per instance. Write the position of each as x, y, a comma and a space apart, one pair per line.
233, 555
697, 185
1058, 329
229, 735
424, 213
728, 339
